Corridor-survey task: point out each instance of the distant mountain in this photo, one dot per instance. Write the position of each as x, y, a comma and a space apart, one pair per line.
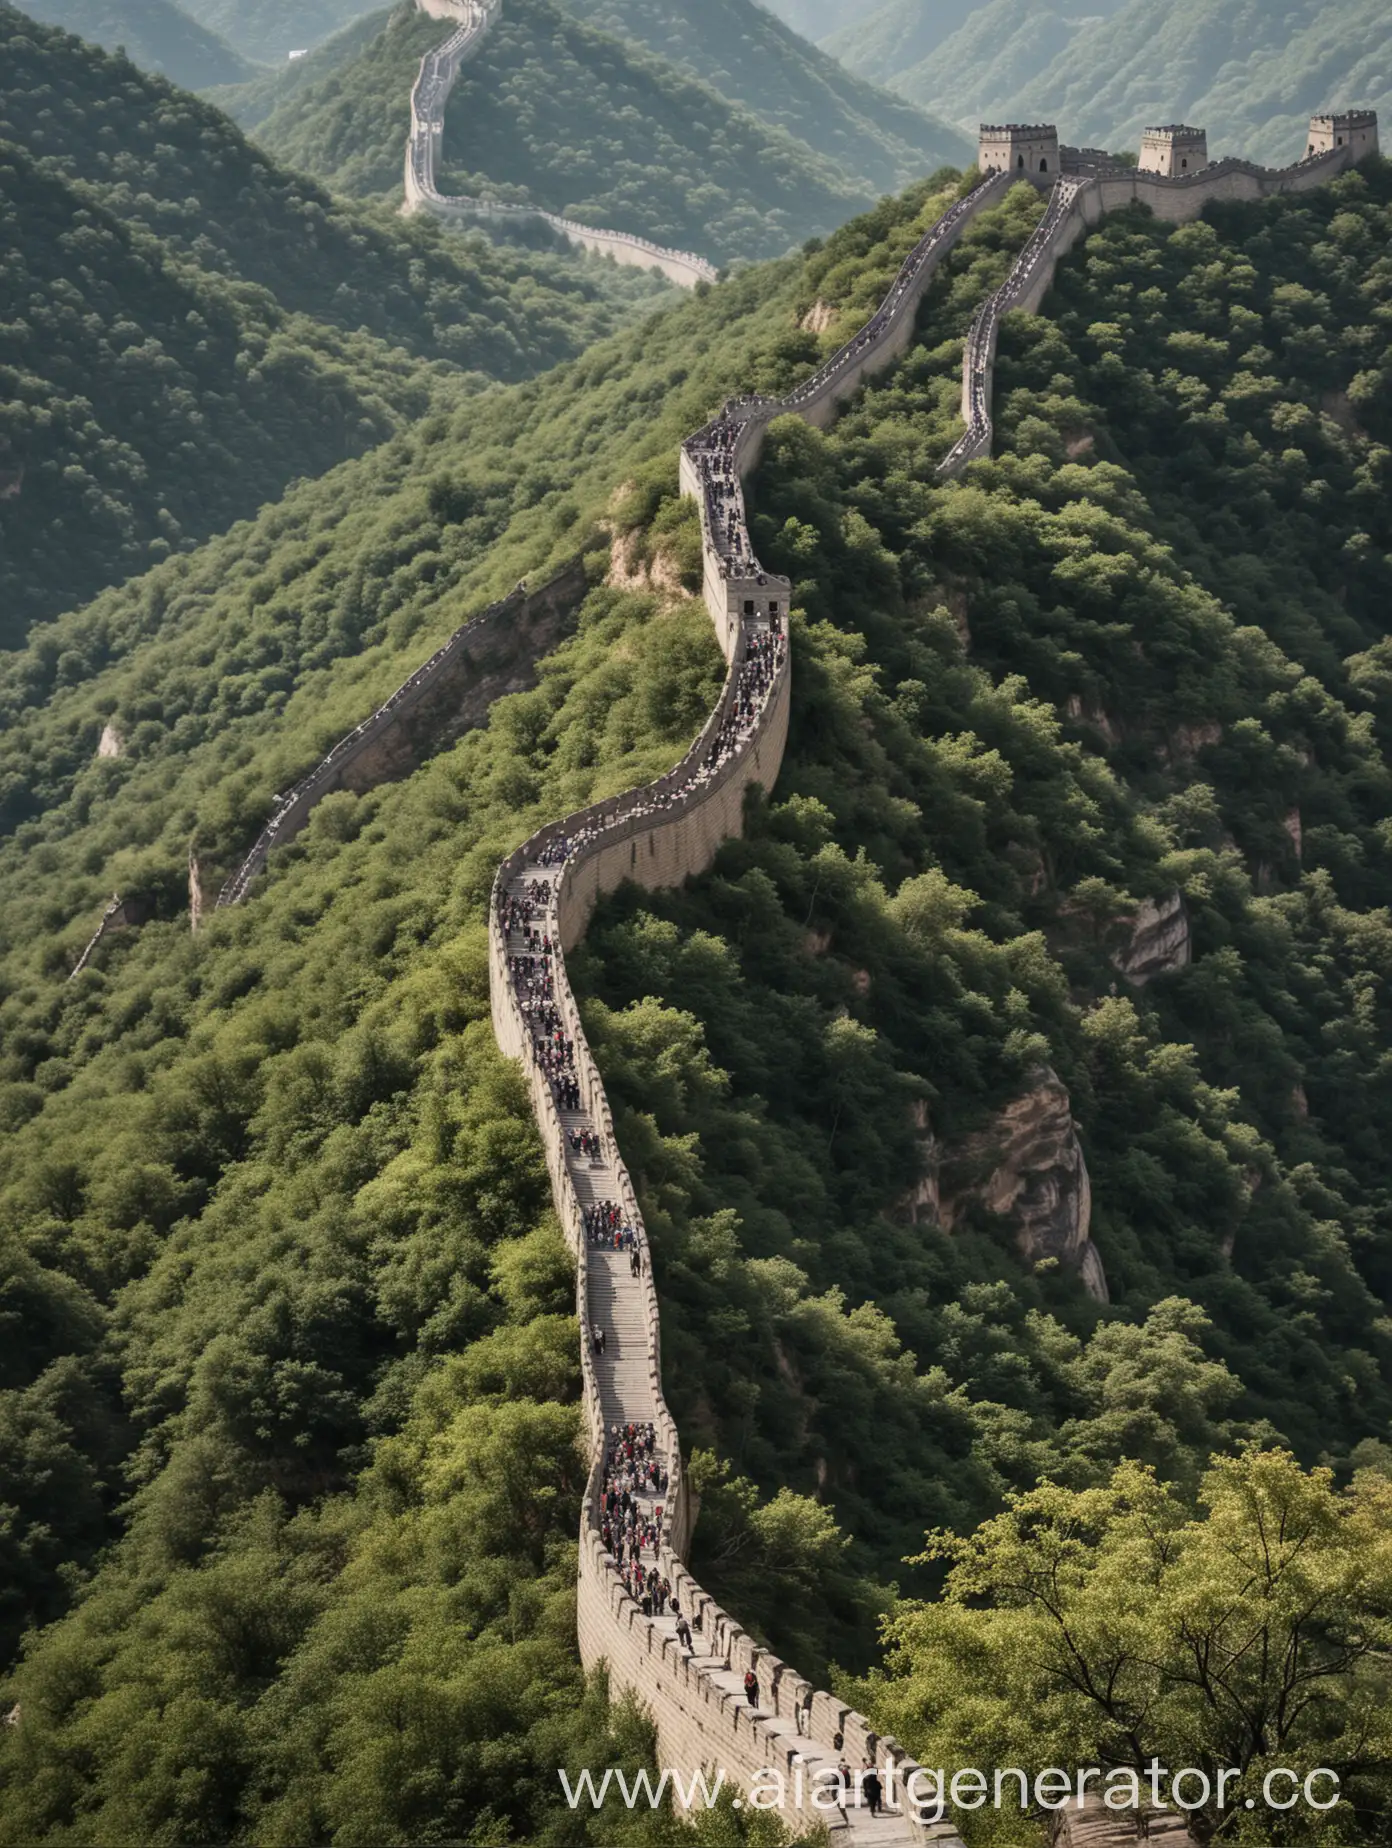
557, 114
186, 327
1250, 71
750, 57
269, 30
292, 86
882, 42
155, 34
814, 19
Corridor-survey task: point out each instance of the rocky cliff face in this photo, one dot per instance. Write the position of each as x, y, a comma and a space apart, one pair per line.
1160, 941
1035, 1175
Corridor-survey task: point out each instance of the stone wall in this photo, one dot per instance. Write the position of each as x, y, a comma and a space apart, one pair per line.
660, 836
438, 74
492, 655
1078, 203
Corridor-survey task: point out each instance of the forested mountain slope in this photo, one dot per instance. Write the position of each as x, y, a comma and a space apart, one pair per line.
267, 31
155, 34
1250, 71
752, 59
884, 41
556, 114
186, 327
280, 1218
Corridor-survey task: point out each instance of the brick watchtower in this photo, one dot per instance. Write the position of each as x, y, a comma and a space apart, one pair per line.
1031, 151
1354, 128
1174, 151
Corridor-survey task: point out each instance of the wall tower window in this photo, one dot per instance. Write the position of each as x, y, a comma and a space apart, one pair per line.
1043, 166
1020, 162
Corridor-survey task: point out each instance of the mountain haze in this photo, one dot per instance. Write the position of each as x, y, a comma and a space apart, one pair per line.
1250, 71
750, 58
156, 34
884, 41
268, 30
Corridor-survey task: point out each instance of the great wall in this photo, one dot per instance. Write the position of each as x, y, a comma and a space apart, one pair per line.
439, 72
661, 835
1175, 179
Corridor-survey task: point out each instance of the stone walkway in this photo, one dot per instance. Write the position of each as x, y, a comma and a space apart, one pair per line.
617, 1307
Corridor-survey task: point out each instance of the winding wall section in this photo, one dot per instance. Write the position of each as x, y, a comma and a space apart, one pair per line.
542, 900
439, 72
1079, 201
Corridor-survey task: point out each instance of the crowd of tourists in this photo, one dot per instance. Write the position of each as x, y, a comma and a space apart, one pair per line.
631, 1518
714, 451
606, 1227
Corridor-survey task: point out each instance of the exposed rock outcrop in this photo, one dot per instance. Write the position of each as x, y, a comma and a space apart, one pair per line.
818, 318
1088, 712
1161, 941
1186, 741
1035, 1174
629, 570
111, 743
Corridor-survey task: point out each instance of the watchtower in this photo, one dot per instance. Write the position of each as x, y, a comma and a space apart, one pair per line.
1031, 151
1174, 151
1355, 128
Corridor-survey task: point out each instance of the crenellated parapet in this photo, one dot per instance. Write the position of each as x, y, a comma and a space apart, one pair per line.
439, 72
1176, 180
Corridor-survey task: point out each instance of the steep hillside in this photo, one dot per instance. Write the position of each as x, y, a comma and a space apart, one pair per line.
267, 31
187, 327
149, 404
289, 1276
1251, 73
155, 34
750, 58
556, 114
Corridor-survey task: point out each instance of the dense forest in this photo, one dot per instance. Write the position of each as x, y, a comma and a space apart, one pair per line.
290, 1403
185, 327
1251, 74
155, 34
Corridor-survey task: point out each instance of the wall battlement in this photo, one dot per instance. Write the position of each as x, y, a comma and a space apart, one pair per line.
1029, 150
438, 75
452, 690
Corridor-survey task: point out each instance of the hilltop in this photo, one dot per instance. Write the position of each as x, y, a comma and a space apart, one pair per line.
1249, 74
554, 113
281, 1221
155, 34
751, 58
190, 327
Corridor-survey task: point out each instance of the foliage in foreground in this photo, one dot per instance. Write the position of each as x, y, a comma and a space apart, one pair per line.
1120, 1626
